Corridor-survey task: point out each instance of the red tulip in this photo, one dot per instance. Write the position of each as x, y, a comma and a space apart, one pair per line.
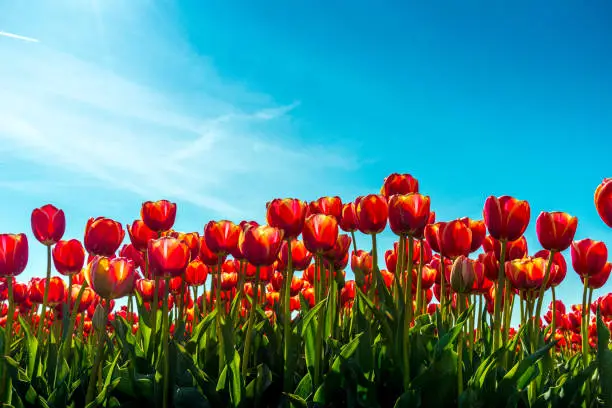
556, 230
558, 270
479, 232
196, 273
588, 256
408, 214
372, 213
300, 256
158, 215
599, 279
514, 249
146, 289
603, 201
320, 233
506, 217
57, 290
433, 235
13, 254
260, 245
221, 237
112, 278
129, 251
348, 220
48, 224
391, 260
329, 206
192, 239
103, 236
399, 184
456, 239
207, 256
69, 257
168, 256
140, 235
87, 297
288, 215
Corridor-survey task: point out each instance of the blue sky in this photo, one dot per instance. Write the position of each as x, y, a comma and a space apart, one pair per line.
223, 106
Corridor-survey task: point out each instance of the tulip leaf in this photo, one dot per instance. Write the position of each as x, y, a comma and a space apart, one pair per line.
604, 360
31, 346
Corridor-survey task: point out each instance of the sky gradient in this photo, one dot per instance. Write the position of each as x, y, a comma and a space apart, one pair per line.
223, 106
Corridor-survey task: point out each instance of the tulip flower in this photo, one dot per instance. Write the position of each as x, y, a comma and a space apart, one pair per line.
329, 206
192, 239
527, 273
260, 245
399, 184
140, 235
103, 236
556, 230
48, 224
68, 257
57, 294
599, 279
288, 215
514, 249
348, 220
221, 237
168, 257
506, 217
479, 232
158, 215
320, 233
300, 256
603, 201
13, 254
588, 256
462, 275
372, 212
408, 214
456, 239
196, 273
112, 278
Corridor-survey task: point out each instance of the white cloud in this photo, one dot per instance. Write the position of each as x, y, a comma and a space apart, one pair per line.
78, 115
18, 37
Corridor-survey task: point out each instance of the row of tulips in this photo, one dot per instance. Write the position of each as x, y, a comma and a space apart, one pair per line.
261, 334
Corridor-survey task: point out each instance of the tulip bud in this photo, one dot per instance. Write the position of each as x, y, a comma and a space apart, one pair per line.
462, 275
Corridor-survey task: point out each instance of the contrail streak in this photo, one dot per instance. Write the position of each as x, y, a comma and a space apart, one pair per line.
18, 37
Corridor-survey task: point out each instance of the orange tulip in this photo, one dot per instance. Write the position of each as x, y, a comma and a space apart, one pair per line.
556, 230
506, 217
409, 214
603, 201
168, 256
361, 262
196, 273
288, 215
221, 237
112, 278
527, 273
13, 254
456, 239
320, 233
103, 236
372, 212
57, 290
140, 235
558, 269
260, 245
399, 184
348, 219
87, 297
69, 257
158, 215
588, 256
340, 249
207, 256
48, 224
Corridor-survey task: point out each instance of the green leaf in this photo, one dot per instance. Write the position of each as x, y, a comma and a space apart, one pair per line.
296, 400
190, 397
409, 399
31, 346
604, 360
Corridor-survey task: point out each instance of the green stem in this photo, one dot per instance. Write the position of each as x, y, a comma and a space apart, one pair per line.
354, 241
319, 273
399, 268
554, 314
251, 323
442, 289
155, 306
408, 315
499, 293
419, 287
91, 386
536, 326
6, 386
196, 308
459, 350
287, 383
165, 336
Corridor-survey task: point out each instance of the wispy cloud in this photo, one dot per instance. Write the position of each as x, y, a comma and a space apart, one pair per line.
18, 37
111, 126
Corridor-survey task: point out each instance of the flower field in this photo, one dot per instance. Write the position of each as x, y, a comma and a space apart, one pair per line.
249, 315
